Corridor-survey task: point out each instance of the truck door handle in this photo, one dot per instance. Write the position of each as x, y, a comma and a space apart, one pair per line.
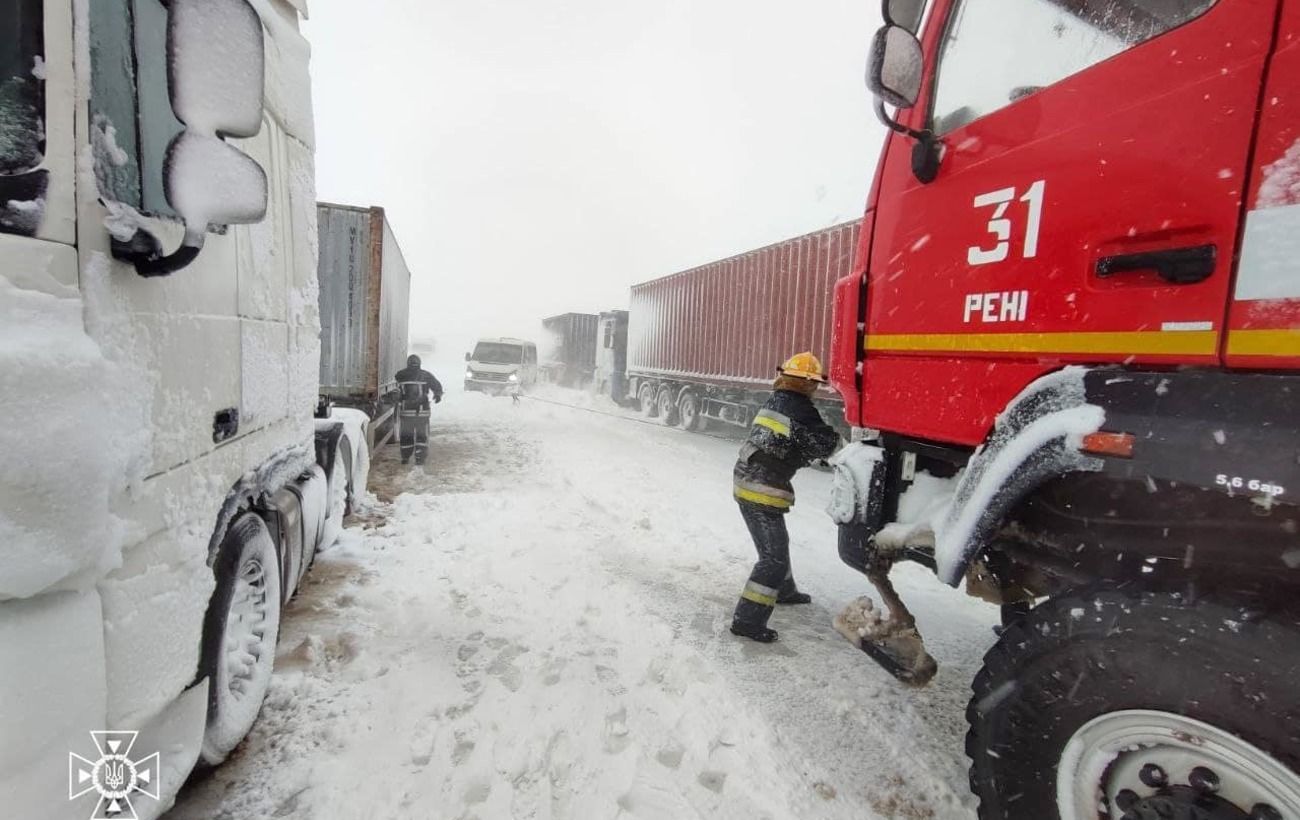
1181, 266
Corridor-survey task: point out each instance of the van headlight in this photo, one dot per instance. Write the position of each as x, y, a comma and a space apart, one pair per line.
514, 377
469, 374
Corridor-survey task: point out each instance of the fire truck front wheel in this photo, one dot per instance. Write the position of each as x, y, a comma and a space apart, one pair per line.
1135, 705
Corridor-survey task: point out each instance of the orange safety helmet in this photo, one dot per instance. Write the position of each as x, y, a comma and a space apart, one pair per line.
803, 366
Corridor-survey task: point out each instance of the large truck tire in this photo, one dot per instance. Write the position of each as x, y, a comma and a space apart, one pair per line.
690, 409
646, 397
668, 407
1138, 705
240, 632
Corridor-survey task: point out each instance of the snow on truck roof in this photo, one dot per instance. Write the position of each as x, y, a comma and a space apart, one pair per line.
504, 340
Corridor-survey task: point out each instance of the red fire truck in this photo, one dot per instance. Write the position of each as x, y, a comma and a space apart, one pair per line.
1070, 350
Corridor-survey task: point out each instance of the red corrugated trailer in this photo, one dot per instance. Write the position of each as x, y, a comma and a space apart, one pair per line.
705, 343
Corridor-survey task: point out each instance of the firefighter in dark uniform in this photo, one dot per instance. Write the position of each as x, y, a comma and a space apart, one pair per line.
414, 386
788, 433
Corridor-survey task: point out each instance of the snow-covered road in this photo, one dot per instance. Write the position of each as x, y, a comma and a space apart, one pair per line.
535, 627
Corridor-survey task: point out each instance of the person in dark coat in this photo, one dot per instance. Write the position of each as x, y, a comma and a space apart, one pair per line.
414, 386
787, 434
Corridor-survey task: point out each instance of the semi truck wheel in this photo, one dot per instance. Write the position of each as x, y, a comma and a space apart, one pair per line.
645, 396
239, 634
668, 407
1138, 705
691, 411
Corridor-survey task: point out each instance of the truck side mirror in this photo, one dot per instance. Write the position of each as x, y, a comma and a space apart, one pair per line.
894, 72
905, 14
894, 67
467, 357
216, 65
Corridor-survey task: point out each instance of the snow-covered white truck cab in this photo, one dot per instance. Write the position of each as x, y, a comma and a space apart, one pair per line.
501, 365
163, 485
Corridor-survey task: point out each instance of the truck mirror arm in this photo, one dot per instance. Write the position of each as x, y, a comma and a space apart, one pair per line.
926, 153
144, 251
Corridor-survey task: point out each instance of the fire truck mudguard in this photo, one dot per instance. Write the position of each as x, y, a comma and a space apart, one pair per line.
1037, 438
1177, 435
1172, 430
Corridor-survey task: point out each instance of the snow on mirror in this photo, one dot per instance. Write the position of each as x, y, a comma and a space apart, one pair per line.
894, 68
216, 68
214, 48
212, 183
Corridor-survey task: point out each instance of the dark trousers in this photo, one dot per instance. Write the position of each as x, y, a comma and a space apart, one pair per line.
413, 431
771, 578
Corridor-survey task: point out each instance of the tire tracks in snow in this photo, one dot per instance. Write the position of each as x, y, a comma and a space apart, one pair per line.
535, 629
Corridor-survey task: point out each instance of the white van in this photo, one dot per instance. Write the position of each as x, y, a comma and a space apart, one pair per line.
498, 365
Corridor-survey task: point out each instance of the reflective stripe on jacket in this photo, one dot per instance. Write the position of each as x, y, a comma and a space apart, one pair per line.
787, 433
763, 494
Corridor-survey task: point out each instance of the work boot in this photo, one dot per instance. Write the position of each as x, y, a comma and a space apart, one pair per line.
755, 632
793, 598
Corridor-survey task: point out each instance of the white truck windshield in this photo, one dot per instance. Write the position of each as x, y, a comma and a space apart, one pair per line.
497, 353
22, 86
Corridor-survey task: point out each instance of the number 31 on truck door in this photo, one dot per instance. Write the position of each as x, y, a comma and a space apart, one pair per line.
1000, 225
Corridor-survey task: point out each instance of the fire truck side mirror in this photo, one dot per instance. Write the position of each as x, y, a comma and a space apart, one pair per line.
905, 14
894, 72
894, 68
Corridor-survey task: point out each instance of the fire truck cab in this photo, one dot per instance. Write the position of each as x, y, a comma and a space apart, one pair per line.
1070, 353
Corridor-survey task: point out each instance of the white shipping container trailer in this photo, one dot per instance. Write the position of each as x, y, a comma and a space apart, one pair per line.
365, 287
163, 484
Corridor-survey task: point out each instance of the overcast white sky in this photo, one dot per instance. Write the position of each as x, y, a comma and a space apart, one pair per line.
540, 156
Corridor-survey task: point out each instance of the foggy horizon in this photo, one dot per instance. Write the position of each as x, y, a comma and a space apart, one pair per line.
608, 145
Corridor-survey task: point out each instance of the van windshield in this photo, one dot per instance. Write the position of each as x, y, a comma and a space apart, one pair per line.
22, 86
497, 353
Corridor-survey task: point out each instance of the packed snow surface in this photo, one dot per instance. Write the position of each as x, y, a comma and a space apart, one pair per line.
534, 626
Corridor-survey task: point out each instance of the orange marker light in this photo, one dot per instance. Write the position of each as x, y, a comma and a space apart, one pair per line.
1119, 445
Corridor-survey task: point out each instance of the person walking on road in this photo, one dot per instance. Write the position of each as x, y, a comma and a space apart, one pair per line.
787, 434
414, 386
